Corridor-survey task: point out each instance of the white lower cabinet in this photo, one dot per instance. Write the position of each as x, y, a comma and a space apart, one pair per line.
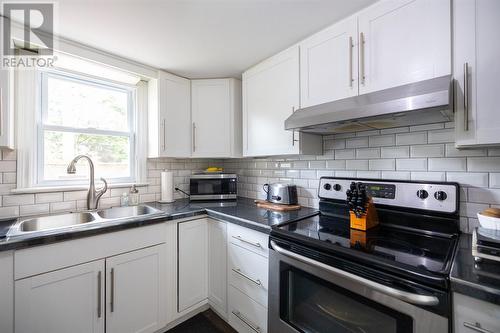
125, 292
245, 314
66, 300
192, 263
472, 315
248, 273
135, 289
217, 260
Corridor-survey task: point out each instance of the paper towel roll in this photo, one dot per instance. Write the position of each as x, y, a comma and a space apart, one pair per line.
167, 186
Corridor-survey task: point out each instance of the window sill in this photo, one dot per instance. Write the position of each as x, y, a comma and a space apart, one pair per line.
45, 189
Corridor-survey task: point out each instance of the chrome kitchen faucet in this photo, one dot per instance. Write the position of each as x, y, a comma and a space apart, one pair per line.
93, 196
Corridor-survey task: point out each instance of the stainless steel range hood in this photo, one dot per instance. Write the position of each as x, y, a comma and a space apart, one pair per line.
420, 103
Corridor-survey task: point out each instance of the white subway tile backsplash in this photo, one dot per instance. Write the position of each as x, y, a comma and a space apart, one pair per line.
48, 197
495, 180
486, 164
382, 164
484, 195
336, 164
396, 175
7, 212
381, 140
66, 206
411, 164
36, 209
447, 164
470, 209
369, 174
428, 176
19, 199
367, 153
7, 166
411, 138
427, 151
442, 136
395, 152
468, 178
358, 142
317, 164
345, 154
356, 164
334, 144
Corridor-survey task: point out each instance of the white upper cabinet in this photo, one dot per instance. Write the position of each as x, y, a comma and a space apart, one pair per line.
270, 95
403, 41
329, 64
216, 118
169, 116
476, 70
6, 109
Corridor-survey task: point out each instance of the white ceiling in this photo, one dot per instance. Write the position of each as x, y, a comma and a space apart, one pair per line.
198, 38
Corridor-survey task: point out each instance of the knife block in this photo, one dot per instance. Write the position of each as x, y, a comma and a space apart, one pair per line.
367, 220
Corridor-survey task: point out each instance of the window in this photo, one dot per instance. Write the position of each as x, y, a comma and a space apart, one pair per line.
84, 115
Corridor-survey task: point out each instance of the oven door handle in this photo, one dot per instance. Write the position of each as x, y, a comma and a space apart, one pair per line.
389, 291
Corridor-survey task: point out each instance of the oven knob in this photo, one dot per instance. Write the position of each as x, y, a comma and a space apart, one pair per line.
327, 187
422, 194
337, 187
440, 195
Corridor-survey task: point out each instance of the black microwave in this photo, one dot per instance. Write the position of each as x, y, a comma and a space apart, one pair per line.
213, 186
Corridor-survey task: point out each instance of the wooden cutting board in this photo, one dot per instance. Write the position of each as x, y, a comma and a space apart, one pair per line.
278, 207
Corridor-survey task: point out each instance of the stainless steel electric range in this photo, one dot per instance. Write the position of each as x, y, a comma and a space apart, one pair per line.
326, 277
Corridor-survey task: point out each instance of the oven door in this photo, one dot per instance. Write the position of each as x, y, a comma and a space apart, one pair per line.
215, 188
306, 295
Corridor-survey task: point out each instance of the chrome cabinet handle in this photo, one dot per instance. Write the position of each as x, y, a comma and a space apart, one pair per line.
164, 135
399, 294
247, 322
247, 242
466, 96
238, 271
476, 327
112, 296
362, 56
194, 136
293, 131
351, 46
99, 294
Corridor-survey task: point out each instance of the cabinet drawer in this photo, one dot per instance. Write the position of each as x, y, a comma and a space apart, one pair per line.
249, 239
246, 315
470, 313
248, 273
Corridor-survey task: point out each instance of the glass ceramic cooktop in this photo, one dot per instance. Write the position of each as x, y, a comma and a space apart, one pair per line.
430, 253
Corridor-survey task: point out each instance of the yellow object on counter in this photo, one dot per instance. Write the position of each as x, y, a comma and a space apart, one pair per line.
213, 169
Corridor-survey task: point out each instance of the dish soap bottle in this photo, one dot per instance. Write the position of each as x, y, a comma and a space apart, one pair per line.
124, 200
133, 196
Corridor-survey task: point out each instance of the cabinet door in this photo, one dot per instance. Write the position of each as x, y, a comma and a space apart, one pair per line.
472, 315
329, 64
67, 300
270, 95
403, 41
217, 258
476, 25
175, 116
192, 263
135, 291
211, 115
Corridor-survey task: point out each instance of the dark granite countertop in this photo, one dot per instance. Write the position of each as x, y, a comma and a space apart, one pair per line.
479, 280
242, 211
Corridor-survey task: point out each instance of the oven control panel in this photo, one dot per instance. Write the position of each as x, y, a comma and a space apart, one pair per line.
434, 196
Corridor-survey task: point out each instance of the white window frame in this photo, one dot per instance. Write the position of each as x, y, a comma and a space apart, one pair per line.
42, 114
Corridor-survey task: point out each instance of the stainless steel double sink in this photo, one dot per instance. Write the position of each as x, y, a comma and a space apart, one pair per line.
69, 220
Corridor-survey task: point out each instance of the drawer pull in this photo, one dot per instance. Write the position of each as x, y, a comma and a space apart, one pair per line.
238, 271
247, 322
246, 241
476, 327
